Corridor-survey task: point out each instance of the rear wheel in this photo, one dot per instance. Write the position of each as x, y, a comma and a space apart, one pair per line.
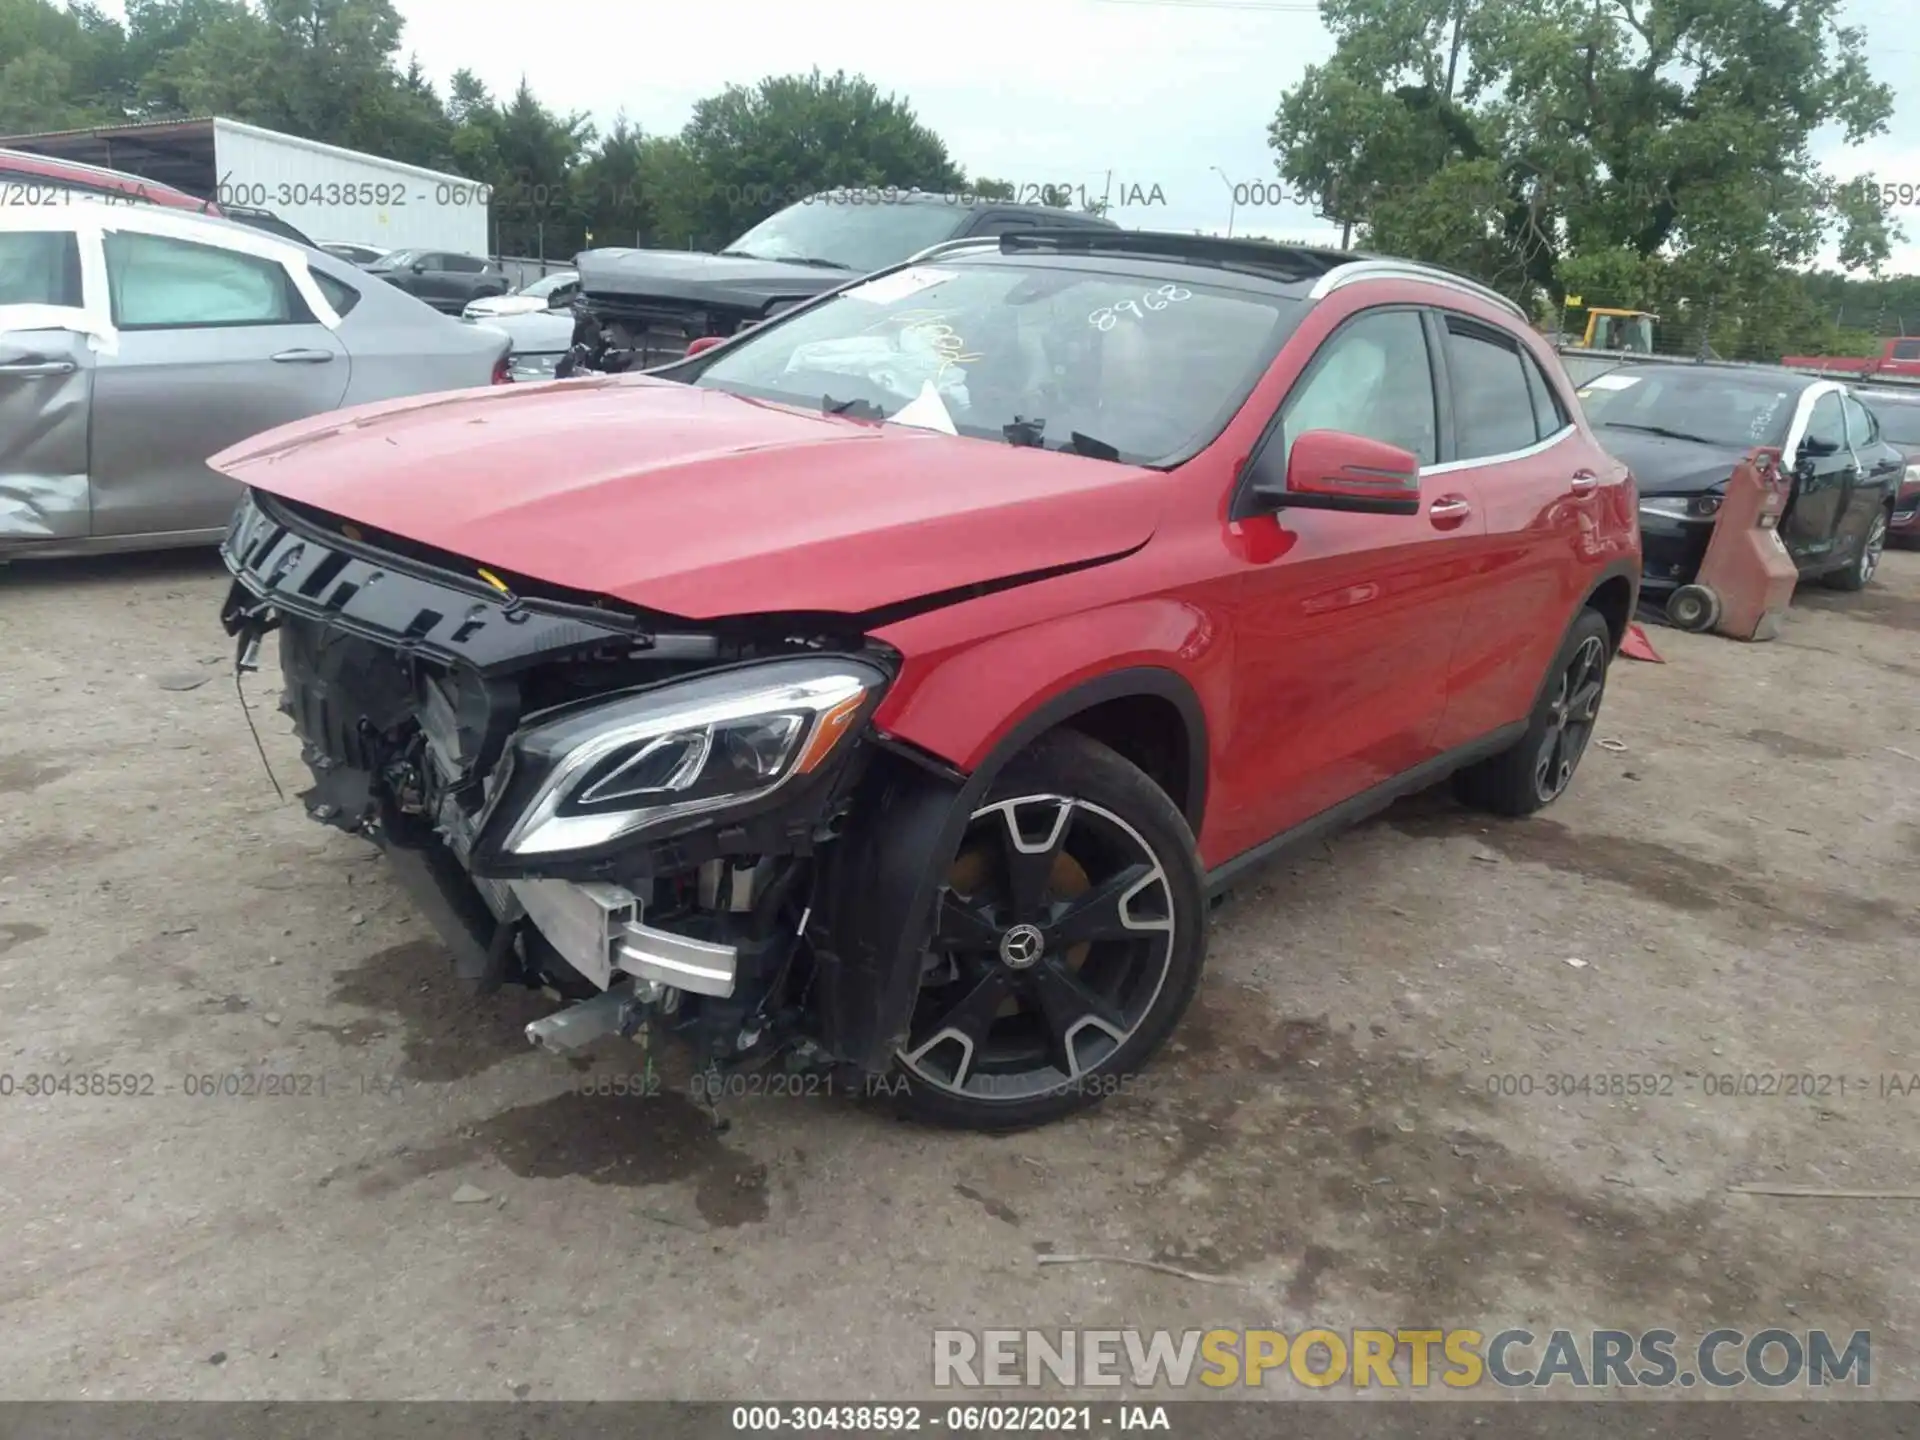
1539, 766
1859, 574
1069, 941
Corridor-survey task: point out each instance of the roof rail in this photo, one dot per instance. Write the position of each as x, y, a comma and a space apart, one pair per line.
1328, 269
949, 247
1411, 270
1295, 262
1287, 262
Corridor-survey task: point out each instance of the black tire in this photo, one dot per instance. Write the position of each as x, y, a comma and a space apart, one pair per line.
995, 1043
1859, 571
1537, 768
1693, 607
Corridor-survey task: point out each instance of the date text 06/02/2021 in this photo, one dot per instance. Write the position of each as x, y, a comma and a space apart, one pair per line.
1819, 1085
1009, 1419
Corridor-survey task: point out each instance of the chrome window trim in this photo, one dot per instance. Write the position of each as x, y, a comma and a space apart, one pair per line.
1362, 270
1539, 447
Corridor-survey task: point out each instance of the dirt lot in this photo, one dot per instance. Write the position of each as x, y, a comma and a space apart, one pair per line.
1739, 882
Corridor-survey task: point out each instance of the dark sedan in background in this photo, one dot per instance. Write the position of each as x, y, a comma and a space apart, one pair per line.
1898, 412
446, 281
1683, 428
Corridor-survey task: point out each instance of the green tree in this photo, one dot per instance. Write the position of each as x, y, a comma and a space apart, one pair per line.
1507, 136
757, 147
60, 68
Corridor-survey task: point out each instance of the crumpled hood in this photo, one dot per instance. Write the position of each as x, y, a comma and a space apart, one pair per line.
728, 280
699, 503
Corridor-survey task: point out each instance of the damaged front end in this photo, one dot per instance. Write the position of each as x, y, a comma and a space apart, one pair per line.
640, 309
625, 808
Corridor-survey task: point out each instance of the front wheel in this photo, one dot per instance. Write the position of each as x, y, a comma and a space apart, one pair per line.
1540, 764
1068, 942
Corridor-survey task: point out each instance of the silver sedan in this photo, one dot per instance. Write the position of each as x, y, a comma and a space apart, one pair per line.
136, 341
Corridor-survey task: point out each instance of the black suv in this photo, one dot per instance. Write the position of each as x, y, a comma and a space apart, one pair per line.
446, 281
639, 308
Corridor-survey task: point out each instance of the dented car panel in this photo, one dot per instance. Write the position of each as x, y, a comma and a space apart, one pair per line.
118, 379
702, 504
46, 391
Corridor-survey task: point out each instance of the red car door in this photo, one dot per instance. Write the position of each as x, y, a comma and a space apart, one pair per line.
1347, 622
1545, 490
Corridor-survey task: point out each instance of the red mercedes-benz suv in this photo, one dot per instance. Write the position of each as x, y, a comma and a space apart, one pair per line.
882, 692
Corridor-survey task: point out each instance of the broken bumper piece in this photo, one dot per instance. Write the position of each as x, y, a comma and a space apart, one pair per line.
596, 929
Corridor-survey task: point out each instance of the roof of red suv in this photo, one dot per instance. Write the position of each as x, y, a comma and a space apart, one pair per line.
72, 174
1315, 271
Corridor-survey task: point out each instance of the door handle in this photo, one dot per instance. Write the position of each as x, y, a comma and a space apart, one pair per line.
38, 367
1449, 510
303, 357
1584, 482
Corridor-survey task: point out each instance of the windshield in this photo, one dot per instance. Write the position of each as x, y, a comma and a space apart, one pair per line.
547, 284
857, 236
1899, 424
396, 258
1715, 407
1123, 366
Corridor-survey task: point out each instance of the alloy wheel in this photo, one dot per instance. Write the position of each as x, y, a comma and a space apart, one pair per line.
1574, 708
1054, 938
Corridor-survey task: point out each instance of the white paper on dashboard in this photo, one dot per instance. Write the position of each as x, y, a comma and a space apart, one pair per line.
1611, 382
899, 285
926, 411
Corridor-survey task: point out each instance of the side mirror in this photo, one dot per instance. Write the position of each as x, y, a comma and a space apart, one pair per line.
704, 343
419, 267
1332, 470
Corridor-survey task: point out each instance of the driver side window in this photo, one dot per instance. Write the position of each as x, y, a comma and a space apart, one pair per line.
1371, 378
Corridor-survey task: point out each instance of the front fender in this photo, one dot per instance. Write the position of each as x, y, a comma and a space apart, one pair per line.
963, 702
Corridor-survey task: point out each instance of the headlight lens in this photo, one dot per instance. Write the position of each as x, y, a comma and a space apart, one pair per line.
1682, 507
610, 770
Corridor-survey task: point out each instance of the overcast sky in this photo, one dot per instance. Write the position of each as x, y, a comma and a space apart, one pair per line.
1167, 93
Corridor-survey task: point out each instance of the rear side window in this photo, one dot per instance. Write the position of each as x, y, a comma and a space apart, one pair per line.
1492, 407
157, 282
1906, 350
1549, 415
1370, 378
39, 267
341, 296
463, 264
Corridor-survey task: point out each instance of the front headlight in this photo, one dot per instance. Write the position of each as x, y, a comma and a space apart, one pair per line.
1682, 507
608, 770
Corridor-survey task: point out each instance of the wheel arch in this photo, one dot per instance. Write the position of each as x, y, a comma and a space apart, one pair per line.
1147, 713
1614, 594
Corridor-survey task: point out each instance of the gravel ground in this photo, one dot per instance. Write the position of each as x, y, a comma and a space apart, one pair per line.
1737, 884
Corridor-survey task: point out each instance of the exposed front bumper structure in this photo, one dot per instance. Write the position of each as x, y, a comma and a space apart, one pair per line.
412, 690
